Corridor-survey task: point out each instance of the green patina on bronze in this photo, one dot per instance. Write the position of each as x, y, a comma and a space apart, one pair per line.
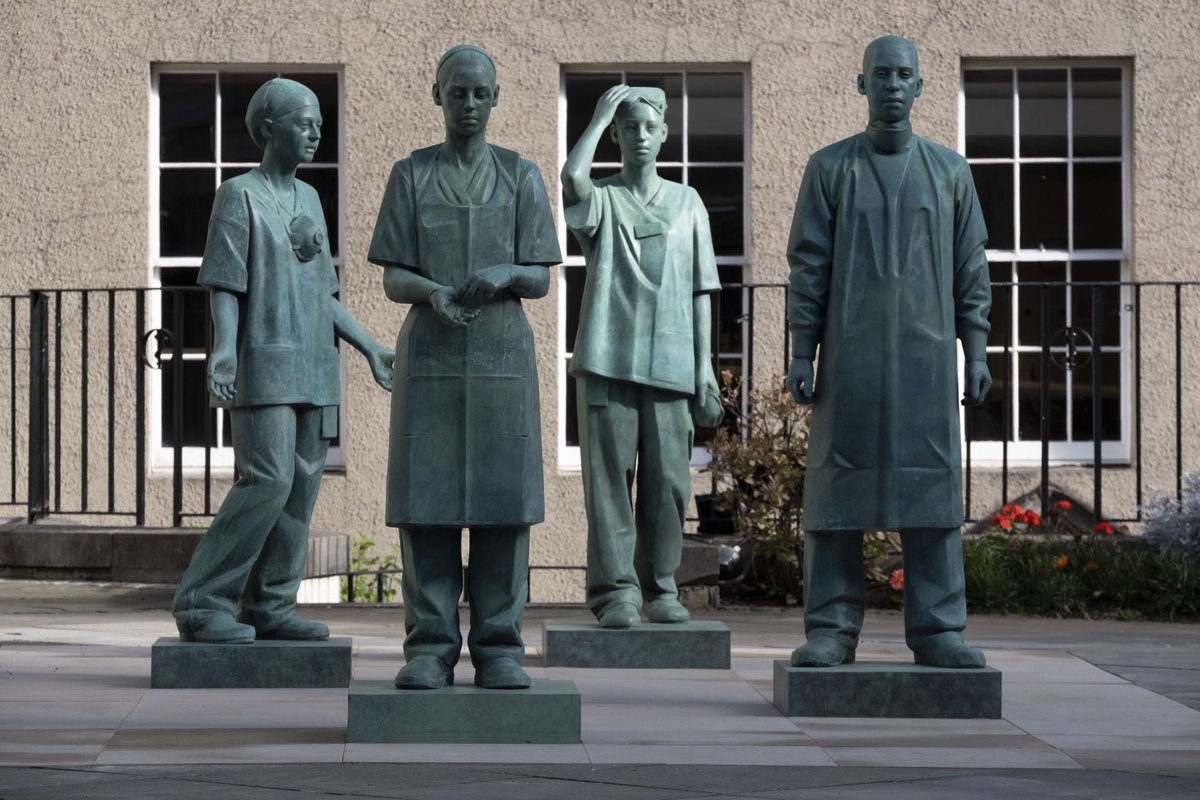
275, 367
888, 270
464, 234
641, 359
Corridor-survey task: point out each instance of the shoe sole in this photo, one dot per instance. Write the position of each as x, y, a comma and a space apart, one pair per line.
415, 685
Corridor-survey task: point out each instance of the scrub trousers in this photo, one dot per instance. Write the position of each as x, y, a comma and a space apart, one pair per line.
633, 433
935, 599
252, 558
497, 587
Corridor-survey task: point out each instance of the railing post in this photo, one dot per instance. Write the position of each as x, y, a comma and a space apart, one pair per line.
39, 406
140, 407
177, 409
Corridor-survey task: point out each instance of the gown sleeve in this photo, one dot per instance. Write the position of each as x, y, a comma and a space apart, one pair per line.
972, 281
536, 237
704, 261
228, 244
810, 258
394, 242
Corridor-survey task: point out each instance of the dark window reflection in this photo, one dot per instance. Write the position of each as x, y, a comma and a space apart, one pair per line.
185, 203
1029, 388
180, 289
233, 172
721, 190
325, 181
187, 112
672, 84
989, 111
1106, 299
325, 87
572, 420
236, 90
729, 311
715, 119
987, 421
193, 406
1110, 399
1098, 206
994, 186
1000, 316
575, 278
1044, 206
1096, 100
1029, 325
582, 93
1043, 98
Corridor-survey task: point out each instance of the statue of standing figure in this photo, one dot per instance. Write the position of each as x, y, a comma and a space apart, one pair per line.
464, 234
642, 360
887, 270
274, 366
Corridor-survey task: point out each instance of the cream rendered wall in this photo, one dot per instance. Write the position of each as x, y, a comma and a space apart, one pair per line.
74, 170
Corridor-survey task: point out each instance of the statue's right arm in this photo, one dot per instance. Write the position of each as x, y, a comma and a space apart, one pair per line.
222, 364
810, 258
577, 172
406, 286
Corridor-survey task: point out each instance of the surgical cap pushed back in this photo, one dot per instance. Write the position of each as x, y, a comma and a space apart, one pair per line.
651, 96
273, 99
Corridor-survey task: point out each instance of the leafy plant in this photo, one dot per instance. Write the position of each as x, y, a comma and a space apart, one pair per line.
370, 572
1173, 524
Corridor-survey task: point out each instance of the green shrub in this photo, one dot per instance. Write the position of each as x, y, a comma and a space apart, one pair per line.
363, 559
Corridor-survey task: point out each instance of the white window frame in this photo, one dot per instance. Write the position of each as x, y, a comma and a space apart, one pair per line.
162, 458
1062, 452
569, 458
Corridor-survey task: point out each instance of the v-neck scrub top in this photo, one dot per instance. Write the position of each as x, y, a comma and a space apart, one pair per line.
645, 264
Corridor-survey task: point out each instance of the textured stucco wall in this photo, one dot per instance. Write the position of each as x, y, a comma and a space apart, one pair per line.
76, 81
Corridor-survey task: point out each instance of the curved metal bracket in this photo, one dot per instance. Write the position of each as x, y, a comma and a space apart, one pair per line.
1078, 343
163, 339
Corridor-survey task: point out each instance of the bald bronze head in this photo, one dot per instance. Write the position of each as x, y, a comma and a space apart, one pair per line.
890, 79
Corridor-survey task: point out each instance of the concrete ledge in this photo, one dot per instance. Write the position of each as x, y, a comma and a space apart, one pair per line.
546, 713
261, 665
699, 644
887, 689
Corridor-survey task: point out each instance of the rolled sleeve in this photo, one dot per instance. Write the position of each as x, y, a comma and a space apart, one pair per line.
227, 247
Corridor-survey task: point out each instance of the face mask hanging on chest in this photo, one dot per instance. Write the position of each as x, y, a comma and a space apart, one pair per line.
306, 236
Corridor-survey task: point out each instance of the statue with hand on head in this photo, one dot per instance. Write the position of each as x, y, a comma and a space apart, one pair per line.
642, 358
274, 366
888, 270
465, 234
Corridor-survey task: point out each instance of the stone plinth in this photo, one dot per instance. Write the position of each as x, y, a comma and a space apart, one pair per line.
887, 689
546, 713
260, 665
699, 644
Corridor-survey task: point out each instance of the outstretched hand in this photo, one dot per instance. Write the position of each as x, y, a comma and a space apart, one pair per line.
449, 310
979, 381
705, 405
222, 372
800, 380
381, 360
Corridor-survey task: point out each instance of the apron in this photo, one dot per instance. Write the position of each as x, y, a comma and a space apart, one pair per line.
465, 437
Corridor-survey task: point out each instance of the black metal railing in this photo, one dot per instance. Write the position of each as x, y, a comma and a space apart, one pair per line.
91, 352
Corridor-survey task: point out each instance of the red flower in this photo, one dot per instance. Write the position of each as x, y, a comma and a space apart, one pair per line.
897, 580
1105, 528
1012, 510
1062, 505
1062, 562
1031, 518
1003, 522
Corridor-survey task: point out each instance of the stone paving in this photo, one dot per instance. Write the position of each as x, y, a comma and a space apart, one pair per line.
1091, 709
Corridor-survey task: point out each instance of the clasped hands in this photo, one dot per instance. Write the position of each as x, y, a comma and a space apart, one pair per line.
457, 307
800, 381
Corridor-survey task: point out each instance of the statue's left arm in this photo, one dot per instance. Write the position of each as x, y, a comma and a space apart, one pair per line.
379, 357
706, 407
972, 286
810, 257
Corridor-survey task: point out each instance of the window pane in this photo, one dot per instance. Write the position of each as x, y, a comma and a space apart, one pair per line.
187, 116
1110, 399
236, 90
728, 311
672, 84
1096, 100
1044, 206
1001, 315
325, 181
572, 420
1029, 404
1043, 112
1098, 206
987, 419
994, 186
574, 277
179, 287
1109, 299
989, 99
715, 117
194, 406
1029, 299
185, 203
582, 93
233, 172
721, 190
325, 87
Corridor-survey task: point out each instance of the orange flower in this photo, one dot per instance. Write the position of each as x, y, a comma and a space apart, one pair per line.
1091, 566
1012, 510
1062, 505
1031, 518
1005, 523
1062, 562
897, 580
1105, 528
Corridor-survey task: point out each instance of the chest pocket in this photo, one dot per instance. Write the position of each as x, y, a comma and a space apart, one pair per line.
652, 249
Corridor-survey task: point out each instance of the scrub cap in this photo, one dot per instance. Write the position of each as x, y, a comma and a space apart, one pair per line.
651, 96
475, 52
273, 99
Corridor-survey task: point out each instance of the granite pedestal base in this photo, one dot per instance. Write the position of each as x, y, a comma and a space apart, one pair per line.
701, 644
887, 689
260, 665
546, 713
